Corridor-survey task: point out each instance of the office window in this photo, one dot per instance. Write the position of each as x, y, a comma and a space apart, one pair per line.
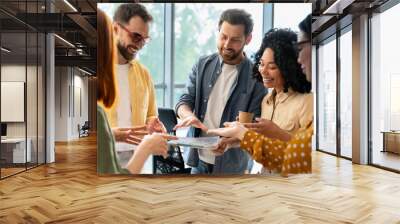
22, 92
297, 12
41, 97
385, 88
13, 85
13, 79
313, 89
346, 94
152, 55
32, 96
327, 96
200, 25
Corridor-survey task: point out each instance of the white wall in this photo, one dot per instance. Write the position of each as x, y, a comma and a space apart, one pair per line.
80, 100
71, 93
61, 103
15, 73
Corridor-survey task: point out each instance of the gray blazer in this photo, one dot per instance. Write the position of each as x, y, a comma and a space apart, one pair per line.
246, 95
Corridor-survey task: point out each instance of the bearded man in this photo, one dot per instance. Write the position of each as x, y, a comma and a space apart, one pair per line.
135, 107
219, 86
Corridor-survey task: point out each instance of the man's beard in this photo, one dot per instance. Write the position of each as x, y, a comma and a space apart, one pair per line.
125, 52
230, 55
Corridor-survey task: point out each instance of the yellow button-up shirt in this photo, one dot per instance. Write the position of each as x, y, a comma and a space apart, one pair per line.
291, 111
143, 101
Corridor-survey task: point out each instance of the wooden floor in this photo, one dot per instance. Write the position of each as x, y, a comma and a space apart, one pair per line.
10, 171
69, 191
386, 159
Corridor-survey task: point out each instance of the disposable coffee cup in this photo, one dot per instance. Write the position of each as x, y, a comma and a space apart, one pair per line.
245, 117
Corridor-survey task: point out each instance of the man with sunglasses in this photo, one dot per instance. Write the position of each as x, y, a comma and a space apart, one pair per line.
135, 103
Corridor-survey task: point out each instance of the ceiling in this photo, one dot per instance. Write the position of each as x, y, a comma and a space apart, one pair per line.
332, 15
75, 22
24, 21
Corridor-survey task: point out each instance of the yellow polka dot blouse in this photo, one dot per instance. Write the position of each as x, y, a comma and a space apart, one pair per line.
284, 157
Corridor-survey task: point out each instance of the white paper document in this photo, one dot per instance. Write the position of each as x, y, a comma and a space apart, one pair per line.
200, 143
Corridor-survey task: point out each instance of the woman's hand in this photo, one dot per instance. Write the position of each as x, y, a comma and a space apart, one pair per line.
156, 144
225, 144
268, 129
231, 130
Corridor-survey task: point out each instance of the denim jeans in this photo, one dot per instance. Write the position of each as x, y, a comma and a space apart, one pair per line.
250, 165
202, 168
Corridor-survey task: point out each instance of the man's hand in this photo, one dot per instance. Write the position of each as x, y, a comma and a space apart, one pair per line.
133, 135
155, 125
191, 120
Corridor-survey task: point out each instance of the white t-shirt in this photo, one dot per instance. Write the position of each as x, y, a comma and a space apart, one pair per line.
123, 109
216, 104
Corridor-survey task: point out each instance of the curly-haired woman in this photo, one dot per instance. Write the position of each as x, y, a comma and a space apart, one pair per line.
290, 104
281, 141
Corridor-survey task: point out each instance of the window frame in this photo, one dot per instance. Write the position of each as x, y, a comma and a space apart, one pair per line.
333, 37
379, 10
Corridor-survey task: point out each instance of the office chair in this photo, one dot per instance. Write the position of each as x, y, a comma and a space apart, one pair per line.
174, 163
84, 130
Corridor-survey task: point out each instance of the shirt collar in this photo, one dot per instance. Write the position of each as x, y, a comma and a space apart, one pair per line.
279, 97
132, 62
238, 66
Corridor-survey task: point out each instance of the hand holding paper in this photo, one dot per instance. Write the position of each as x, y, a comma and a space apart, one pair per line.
231, 130
225, 144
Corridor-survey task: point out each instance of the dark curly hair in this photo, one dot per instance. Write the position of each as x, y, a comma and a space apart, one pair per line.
283, 43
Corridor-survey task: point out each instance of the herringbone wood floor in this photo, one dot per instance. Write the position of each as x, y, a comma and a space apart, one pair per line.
69, 191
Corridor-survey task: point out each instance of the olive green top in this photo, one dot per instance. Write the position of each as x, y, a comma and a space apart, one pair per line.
107, 162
